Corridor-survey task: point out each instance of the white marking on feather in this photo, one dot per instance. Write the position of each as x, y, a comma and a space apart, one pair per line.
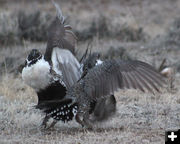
37, 75
74, 111
61, 81
98, 62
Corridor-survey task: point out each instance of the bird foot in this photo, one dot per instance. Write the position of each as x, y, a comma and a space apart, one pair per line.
52, 125
44, 123
78, 120
88, 124
85, 122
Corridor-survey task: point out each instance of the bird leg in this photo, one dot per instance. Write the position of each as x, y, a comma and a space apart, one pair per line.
52, 124
78, 119
45, 120
82, 116
87, 122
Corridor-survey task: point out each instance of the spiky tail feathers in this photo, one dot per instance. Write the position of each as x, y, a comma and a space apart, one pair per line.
59, 12
63, 110
60, 34
62, 20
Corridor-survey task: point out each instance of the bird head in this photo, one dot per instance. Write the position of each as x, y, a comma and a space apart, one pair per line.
33, 57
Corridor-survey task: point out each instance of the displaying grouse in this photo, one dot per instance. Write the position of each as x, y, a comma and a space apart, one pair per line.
103, 80
56, 71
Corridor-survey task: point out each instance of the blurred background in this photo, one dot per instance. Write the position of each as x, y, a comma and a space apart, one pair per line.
147, 30
137, 29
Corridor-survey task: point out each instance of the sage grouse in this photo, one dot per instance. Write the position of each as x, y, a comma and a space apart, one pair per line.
57, 70
103, 80
104, 108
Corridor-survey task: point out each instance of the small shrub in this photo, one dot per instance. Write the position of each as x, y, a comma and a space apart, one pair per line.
33, 26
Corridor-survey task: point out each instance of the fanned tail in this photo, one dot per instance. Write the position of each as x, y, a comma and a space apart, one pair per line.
59, 12
60, 34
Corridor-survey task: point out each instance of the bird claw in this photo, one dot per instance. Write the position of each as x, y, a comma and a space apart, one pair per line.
52, 125
44, 123
85, 122
88, 124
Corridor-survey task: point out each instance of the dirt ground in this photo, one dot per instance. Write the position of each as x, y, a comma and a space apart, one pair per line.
140, 117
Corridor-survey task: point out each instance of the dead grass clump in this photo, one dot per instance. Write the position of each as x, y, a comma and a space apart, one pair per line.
117, 52
33, 26
127, 33
14, 88
16, 106
101, 28
170, 41
16, 27
8, 29
173, 35
98, 27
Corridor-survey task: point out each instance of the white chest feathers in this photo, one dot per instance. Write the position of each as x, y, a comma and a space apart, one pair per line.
37, 75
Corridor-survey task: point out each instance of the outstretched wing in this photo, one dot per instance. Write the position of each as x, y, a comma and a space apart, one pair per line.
111, 75
106, 78
66, 65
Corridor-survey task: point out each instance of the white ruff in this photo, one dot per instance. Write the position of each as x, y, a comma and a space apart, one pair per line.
37, 75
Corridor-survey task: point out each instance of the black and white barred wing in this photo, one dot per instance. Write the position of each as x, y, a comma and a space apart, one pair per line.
66, 65
108, 77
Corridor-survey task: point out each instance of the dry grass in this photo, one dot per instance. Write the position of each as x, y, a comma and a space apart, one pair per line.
140, 118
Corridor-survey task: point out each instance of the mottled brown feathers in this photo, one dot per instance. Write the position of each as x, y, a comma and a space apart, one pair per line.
114, 74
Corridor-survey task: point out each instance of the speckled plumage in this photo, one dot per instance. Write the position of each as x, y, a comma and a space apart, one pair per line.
59, 72
48, 75
104, 79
